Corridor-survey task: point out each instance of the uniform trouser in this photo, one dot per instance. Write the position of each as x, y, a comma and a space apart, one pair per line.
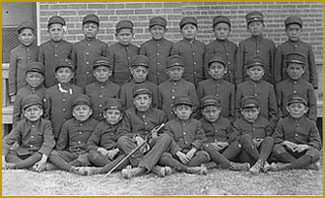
200, 157
23, 161
251, 152
296, 159
64, 160
158, 146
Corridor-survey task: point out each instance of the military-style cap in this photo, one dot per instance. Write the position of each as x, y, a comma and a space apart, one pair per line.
249, 102
91, 18
158, 21
175, 60
102, 61
294, 19
65, 63
30, 100
216, 58
81, 99
186, 20
254, 16
56, 19
183, 100
140, 60
141, 89
296, 57
255, 61
113, 103
25, 25
124, 24
297, 98
220, 19
35, 67
210, 100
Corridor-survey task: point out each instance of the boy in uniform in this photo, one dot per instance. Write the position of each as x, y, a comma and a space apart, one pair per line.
157, 49
139, 68
297, 140
256, 86
86, 50
222, 46
122, 52
55, 49
293, 25
34, 135
218, 86
191, 49
255, 45
34, 78
57, 105
296, 84
20, 56
103, 87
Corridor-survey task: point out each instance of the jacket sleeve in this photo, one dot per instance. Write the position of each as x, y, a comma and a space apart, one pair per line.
199, 137
17, 109
13, 74
63, 139
174, 146
240, 64
48, 139
312, 68
11, 138
272, 56
314, 138
278, 135
278, 65
273, 108
312, 113
94, 139
47, 105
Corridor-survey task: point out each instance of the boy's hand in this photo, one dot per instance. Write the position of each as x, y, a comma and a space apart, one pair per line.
257, 141
12, 98
184, 159
140, 141
40, 165
222, 145
112, 153
102, 151
301, 147
292, 146
191, 153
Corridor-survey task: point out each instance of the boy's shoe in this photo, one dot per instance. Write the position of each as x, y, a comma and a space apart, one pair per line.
49, 167
9, 165
266, 167
315, 166
75, 170
169, 170
89, 170
129, 172
200, 170
239, 166
278, 166
159, 170
210, 165
257, 167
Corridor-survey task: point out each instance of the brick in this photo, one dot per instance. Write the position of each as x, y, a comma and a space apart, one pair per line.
58, 7
143, 11
153, 5
124, 12
67, 13
97, 6
108, 13
134, 5
77, 6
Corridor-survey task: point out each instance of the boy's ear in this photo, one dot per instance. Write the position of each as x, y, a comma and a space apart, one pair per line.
306, 109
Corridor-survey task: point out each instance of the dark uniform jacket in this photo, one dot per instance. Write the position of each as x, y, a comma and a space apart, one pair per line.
20, 56
218, 131
157, 51
50, 53
228, 50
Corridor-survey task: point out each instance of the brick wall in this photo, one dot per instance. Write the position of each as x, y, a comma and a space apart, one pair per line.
140, 13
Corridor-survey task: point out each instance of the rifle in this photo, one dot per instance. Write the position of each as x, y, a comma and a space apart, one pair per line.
146, 140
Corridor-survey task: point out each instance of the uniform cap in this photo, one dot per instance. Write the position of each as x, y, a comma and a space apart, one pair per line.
102, 61
158, 21
297, 98
210, 100
81, 99
113, 103
141, 89
56, 19
187, 20
175, 60
35, 67
254, 16
249, 102
124, 24
217, 58
296, 57
140, 60
220, 19
25, 25
30, 100
255, 61
65, 63
91, 18
294, 19
183, 100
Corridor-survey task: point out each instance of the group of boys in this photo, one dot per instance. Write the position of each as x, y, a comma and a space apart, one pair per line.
222, 106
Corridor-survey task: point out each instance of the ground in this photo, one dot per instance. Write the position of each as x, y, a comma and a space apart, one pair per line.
217, 182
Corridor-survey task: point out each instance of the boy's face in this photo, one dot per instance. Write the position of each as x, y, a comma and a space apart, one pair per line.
255, 73
293, 32
222, 31
175, 73
295, 70
255, 28
26, 37
90, 30
211, 113
183, 112
157, 32
33, 113
250, 114
217, 70
189, 31
139, 73
113, 116
142, 102
64, 75
102, 73
124, 36
297, 110
56, 32
34, 79
81, 112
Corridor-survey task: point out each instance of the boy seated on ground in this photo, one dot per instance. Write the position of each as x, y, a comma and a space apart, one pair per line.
34, 136
297, 140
